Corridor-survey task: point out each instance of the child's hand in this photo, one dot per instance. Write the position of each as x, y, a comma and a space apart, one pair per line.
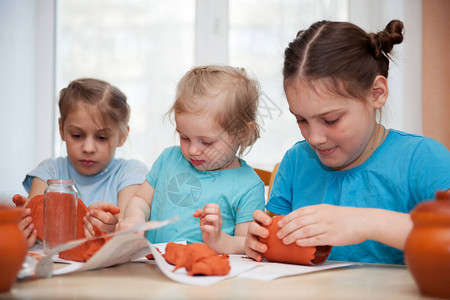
323, 224
103, 215
26, 224
210, 223
253, 247
27, 227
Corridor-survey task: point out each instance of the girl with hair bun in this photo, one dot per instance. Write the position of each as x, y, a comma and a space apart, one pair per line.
352, 182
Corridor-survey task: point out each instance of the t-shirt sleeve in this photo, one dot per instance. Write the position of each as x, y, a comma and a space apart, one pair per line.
152, 176
280, 200
429, 170
133, 173
47, 169
251, 201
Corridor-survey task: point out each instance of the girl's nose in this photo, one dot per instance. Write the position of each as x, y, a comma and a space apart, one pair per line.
89, 145
316, 135
195, 148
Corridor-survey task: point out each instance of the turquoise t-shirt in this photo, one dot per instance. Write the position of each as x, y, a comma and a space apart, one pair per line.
104, 186
180, 189
404, 171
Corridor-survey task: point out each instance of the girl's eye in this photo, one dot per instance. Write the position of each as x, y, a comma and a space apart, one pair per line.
207, 144
102, 137
75, 135
302, 121
184, 138
331, 122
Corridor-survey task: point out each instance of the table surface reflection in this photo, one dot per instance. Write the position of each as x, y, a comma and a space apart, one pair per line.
141, 280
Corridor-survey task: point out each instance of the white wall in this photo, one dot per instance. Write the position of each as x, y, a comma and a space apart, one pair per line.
403, 110
27, 94
26, 88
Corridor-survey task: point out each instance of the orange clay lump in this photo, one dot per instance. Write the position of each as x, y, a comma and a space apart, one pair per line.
277, 251
81, 253
197, 259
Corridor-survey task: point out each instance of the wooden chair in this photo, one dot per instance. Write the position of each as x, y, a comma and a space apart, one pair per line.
267, 176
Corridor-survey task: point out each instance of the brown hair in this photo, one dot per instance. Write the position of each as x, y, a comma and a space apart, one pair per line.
227, 94
342, 55
111, 102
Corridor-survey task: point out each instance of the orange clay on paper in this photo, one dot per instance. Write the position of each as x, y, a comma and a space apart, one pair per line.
81, 253
277, 251
197, 259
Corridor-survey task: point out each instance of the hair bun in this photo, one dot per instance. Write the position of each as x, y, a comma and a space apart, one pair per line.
384, 41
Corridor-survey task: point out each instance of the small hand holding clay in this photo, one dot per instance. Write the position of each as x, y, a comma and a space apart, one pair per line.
210, 223
253, 247
103, 215
26, 224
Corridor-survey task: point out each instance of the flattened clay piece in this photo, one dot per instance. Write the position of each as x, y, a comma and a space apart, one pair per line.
197, 259
277, 251
213, 265
81, 253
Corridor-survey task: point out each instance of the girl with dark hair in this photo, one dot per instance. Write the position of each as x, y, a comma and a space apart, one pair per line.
352, 182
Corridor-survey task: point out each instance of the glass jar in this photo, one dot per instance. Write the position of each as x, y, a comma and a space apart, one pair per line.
60, 212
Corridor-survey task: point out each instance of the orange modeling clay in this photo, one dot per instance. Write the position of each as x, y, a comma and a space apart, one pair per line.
277, 251
81, 253
197, 259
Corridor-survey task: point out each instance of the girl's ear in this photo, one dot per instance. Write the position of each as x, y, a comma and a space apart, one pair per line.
380, 92
123, 137
61, 131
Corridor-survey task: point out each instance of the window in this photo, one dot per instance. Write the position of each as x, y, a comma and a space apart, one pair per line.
145, 46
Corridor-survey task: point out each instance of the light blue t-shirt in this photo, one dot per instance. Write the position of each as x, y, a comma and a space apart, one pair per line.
404, 171
180, 189
104, 186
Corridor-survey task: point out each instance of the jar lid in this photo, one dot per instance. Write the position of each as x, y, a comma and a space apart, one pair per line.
439, 206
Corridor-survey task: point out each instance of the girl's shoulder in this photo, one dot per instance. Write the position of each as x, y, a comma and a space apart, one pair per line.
413, 143
129, 165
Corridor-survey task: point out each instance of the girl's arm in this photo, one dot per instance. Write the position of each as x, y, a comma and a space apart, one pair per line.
137, 210
325, 224
38, 187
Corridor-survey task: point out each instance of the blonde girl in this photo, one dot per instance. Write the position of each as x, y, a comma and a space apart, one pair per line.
203, 180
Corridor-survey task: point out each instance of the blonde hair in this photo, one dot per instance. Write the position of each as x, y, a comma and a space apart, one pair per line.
225, 93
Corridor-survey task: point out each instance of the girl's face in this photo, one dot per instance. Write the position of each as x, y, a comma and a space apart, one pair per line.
90, 147
342, 131
205, 144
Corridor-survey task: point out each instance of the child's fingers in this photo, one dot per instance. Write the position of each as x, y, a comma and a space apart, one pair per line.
31, 239
254, 248
28, 229
25, 222
260, 217
212, 219
257, 230
198, 213
105, 217
297, 228
212, 208
105, 206
88, 228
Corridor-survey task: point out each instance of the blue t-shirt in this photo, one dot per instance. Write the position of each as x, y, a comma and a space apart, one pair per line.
104, 186
180, 189
404, 171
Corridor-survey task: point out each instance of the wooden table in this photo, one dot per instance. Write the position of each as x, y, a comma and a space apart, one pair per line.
140, 280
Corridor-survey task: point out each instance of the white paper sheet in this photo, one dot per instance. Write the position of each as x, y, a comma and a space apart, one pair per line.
266, 270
